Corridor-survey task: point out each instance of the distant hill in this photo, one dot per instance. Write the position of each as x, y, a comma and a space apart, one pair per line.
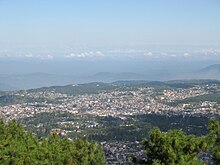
138, 83
194, 81
109, 76
211, 68
208, 72
171, 83
40, 79
76, 89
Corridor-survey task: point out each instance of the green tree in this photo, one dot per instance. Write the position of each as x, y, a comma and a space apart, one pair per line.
173, 147
18, 147
214, 139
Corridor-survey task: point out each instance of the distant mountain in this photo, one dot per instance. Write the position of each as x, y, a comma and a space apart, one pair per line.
211, 68
40, 79
109, 77
209, 72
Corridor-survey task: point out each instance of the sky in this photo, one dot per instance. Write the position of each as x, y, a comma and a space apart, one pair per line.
109, 23
85, 37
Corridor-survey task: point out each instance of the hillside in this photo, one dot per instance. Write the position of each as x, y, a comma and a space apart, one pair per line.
209, 72
77, 89
211, 68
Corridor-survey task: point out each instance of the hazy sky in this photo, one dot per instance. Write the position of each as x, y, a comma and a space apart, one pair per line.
109, 22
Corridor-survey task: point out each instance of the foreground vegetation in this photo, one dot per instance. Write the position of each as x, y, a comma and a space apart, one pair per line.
19, 147
175, 147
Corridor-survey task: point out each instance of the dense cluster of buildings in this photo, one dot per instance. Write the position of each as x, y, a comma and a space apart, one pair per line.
123, 152
118, 103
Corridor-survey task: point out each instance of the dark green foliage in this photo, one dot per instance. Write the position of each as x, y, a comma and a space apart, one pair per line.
177, 147
20, 147
196, 125
173, 147
214, 139
113, 128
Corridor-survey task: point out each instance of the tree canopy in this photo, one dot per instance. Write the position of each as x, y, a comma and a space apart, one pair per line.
214, 139
20, 147
179, 148
173, 147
